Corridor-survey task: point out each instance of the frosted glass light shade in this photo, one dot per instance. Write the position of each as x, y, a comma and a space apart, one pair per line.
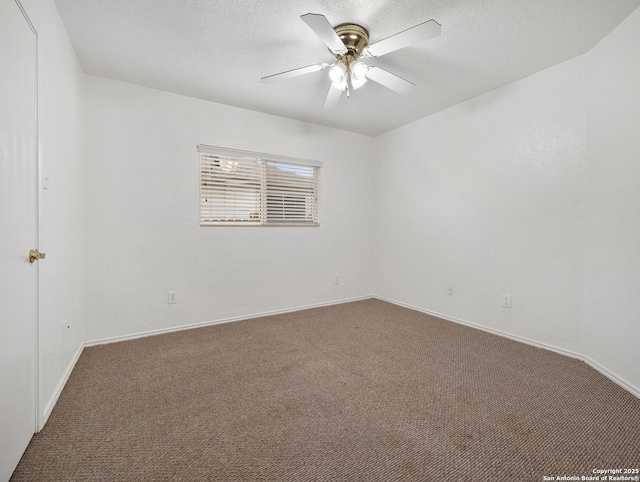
359, 70
337, 73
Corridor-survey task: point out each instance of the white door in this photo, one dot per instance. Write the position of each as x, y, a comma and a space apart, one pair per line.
18, 234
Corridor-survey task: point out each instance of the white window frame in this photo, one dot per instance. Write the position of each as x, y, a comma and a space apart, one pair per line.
259, 183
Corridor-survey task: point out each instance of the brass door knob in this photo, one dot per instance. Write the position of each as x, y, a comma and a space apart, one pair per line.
34, 255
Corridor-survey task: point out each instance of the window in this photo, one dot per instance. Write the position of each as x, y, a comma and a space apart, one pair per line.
240, 188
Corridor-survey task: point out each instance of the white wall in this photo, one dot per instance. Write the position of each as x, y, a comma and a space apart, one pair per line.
612, 311
487, 196
61, 135
532, 190
143, 237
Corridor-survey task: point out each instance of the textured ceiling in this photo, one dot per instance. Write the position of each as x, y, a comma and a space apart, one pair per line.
219, 50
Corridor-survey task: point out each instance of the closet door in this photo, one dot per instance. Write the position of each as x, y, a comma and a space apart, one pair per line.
18, 233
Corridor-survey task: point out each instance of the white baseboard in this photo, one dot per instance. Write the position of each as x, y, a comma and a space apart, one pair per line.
612, 376
595, 365
63, 381
142, 334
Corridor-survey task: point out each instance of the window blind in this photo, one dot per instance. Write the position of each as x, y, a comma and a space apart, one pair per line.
252, 189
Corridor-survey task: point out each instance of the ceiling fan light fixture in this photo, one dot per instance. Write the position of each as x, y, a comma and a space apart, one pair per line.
359, 70
357, 83
338, 73
340, 85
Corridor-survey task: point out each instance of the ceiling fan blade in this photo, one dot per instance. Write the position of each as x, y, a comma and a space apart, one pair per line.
413, 35
333, 97
323, 29
293, 73
389, 80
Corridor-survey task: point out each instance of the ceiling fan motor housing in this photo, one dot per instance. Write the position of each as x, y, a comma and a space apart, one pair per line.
355, 38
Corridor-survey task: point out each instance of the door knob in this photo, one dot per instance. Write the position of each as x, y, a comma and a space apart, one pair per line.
34, 255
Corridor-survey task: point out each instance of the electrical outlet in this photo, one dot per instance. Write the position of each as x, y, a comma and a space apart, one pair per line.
336, 279
506, 300
172, 297
449, 289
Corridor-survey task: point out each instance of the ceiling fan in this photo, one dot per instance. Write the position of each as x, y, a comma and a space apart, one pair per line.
348, 43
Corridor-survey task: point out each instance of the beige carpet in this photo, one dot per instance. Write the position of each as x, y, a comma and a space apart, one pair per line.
364, 391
